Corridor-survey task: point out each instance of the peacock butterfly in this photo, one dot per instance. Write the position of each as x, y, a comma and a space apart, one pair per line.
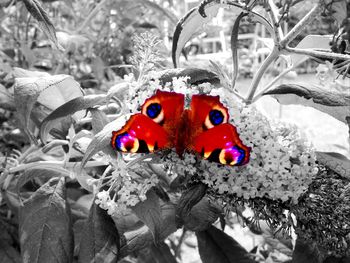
164, 123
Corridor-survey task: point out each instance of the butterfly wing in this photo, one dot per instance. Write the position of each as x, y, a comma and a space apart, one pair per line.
212, 136
152, 129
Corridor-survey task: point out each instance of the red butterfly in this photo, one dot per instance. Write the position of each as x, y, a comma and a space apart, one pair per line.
164, 123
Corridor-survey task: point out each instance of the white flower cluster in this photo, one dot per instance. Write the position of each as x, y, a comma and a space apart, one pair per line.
128, 187
281, 166
282, 163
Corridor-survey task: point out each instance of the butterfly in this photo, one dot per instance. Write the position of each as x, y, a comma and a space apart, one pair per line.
164, 123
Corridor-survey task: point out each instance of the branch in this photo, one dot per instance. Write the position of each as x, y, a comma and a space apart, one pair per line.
264, 66
315, 11
317, 53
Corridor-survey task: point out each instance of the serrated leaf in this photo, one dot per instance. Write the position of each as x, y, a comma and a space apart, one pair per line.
69, 108
149, 213
102, 140
100, 239
45, 226
336, 162
215, 246
46, 91
335, 104
24, 73
35, 9
99, 120
161, 253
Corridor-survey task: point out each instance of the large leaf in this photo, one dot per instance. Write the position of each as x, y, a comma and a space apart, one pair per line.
142, 237
336, 104
6, 99
69, 108
149, 212
45, 172
46, 91
45, 228
8, 254
35, 9
100, 238
188, 200
306, 252
336, 162
161, 253
202, 215
216, 246
197, 75
99, 120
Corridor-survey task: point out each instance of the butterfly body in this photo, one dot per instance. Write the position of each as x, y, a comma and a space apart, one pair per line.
164, 123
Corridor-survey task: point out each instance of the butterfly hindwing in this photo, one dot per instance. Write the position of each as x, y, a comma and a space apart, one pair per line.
153, 128
212, 136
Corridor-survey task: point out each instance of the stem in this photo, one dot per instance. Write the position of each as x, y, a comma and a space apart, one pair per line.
273, 13
315, 53
264, 66
300, 26
260, 94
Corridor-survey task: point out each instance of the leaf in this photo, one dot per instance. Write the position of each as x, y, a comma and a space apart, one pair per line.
8, 254
188, 200
161, 253
336, 162
215, 246
6, 99
35, 9
339, 10
149, 213
335, 104
306, 251
99, 120
311, 41
234, 46
197, 17
68, 108
47, 91
202, 215
189, 25
45, 172
45, 228
196, 75
142, 237
102, 140
100, 239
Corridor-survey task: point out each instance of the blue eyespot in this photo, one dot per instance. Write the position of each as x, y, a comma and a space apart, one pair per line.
153, 110
216, 117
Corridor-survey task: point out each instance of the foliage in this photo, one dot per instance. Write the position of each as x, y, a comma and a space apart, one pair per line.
67, 196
